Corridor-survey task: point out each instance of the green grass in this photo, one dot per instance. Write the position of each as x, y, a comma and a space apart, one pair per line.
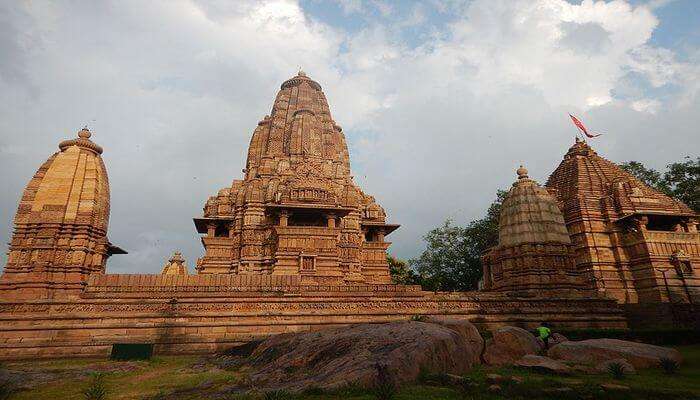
175, 374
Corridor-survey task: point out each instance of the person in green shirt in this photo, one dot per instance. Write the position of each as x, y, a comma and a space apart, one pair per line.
544, 333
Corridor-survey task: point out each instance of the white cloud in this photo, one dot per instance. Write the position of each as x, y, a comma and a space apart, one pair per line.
646, 105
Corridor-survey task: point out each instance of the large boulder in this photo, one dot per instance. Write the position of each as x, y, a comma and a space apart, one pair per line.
349, 355
510, 344
543, 364
557, 338
475, 343
595, 351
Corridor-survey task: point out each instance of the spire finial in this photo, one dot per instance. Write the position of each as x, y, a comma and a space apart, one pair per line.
301, 72
84, 133
522, 172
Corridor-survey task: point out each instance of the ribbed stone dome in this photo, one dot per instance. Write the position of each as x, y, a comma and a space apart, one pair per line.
71, 187
60, 234
175, 265
529, 214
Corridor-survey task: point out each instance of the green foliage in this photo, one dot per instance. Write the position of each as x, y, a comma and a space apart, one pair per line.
401, 273
96, 390
312, 391
681, 179
668, 365
384, 386
7, 389
452, 258
280, 394
158, 396
648, 176
418, 317
617, 370
350, 390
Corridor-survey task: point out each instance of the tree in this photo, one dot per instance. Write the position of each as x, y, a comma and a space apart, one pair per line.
683, 181
680, 181
401, 273
452, 258
648, 176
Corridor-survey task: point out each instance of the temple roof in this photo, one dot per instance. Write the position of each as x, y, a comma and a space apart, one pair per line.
529, 214
175, 266
584, 174
71, 187
299, 129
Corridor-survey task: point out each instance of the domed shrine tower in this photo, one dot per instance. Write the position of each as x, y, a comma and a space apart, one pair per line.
175, 265
534, 253
60, 229
634, 243
297, 210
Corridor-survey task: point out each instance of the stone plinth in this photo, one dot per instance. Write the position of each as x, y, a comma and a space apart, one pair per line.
205, 313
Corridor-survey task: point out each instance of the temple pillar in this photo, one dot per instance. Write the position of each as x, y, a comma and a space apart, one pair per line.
330, 220
284, 218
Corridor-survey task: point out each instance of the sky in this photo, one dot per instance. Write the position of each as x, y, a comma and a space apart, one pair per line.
440, 101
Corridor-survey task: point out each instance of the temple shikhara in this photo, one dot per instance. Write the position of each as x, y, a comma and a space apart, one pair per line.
297, 210
296, 245
596, 228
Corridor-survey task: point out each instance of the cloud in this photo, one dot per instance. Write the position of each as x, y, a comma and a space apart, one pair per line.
173, 91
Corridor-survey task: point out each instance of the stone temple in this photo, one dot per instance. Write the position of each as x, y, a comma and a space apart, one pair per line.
295, 245
596, 228
297, 211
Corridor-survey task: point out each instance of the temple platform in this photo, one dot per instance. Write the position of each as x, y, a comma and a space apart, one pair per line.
205, 314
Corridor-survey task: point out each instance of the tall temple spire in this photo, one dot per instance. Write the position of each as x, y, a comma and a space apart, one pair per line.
60, 234
296, 210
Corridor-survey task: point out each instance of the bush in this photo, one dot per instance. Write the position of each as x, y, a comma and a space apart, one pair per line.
158, 396
280, 394
96, 390
669, 366
385, 387
617, 370
312, 390
7, 389
349, 390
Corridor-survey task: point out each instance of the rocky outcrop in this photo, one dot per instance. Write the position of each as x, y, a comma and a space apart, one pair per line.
475, 343
543, 364
557, 338
510, 344
336, 357
595, 351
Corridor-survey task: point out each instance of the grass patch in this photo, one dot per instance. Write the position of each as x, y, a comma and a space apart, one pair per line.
176, 377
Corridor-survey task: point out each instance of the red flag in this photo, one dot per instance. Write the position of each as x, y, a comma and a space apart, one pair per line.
583, 129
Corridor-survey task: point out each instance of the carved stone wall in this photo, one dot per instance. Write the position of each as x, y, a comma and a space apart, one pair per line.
206, 313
